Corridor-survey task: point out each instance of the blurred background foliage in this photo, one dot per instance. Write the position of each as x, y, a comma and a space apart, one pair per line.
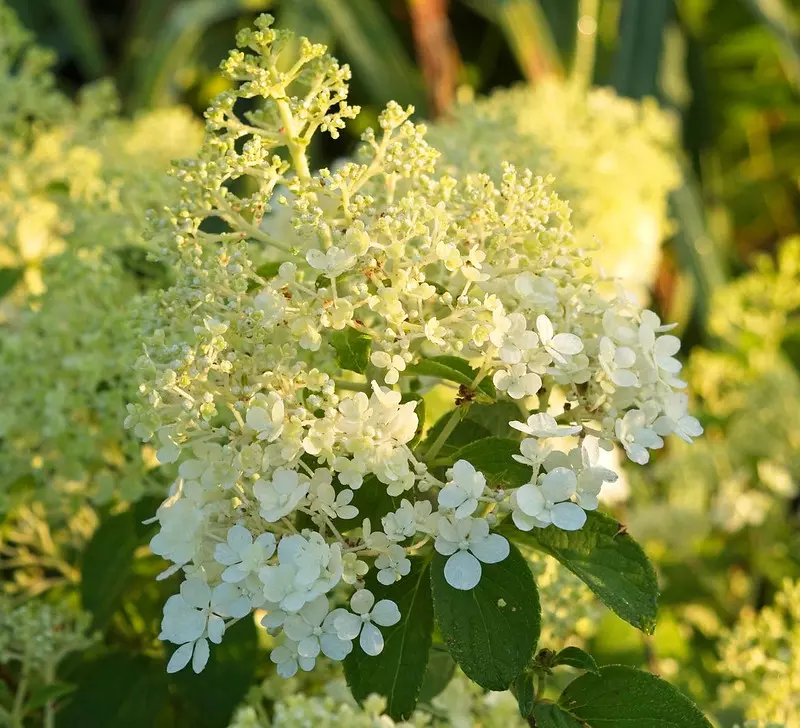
730, 70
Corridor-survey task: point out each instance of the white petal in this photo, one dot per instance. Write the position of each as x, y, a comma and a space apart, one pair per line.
667, 346
348, 625
316, 611
362, 601
239, 538
287, 669
462, 571
308, 647
335, 648
451, 496
180, 658
216, 628
371, 640
200, 657
568, 516
492, 549
559, 484
196, 592
296, 628
445, 547
234, 574
225, 555
544, 327
567, 344
385, 613
624, 378
530, 500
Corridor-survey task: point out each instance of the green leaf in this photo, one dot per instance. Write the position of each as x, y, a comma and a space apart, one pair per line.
464, 433
352, 349
9, 277
525, 693
606, 559
209, 699
47, 693
453, 369
641, 30
491, 630
492, 456
75, 21
373, 502
495, 418
548, 715
438, 674
621, 697
576, 657
106, 565
118, 690
398, 671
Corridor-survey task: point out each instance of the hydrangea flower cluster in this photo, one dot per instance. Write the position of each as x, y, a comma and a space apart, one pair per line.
594, 144
746, 470
760, 661
75, 184
283, 375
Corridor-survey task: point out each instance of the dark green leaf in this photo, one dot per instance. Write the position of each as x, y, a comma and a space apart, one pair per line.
352, 349
210, 698
493, 457
438, 674
453, 369
107, 563
9, 277
642, 24
622, 697
525, 693
491, 630
576, 657
548, 715
373, 502
75, 21
119, 690
46, 693
397, 673
606, 559
464, 433
495, 418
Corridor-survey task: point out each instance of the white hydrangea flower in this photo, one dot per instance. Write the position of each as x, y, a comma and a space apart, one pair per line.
517, 381
545, 425
279, 496
312, 628
539, 505
306, 569
394, 364
362, 620
677, 420
194, 616
287, 659
393, 565
242, 555
636, 436
464, 486
558, 346
467, 542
